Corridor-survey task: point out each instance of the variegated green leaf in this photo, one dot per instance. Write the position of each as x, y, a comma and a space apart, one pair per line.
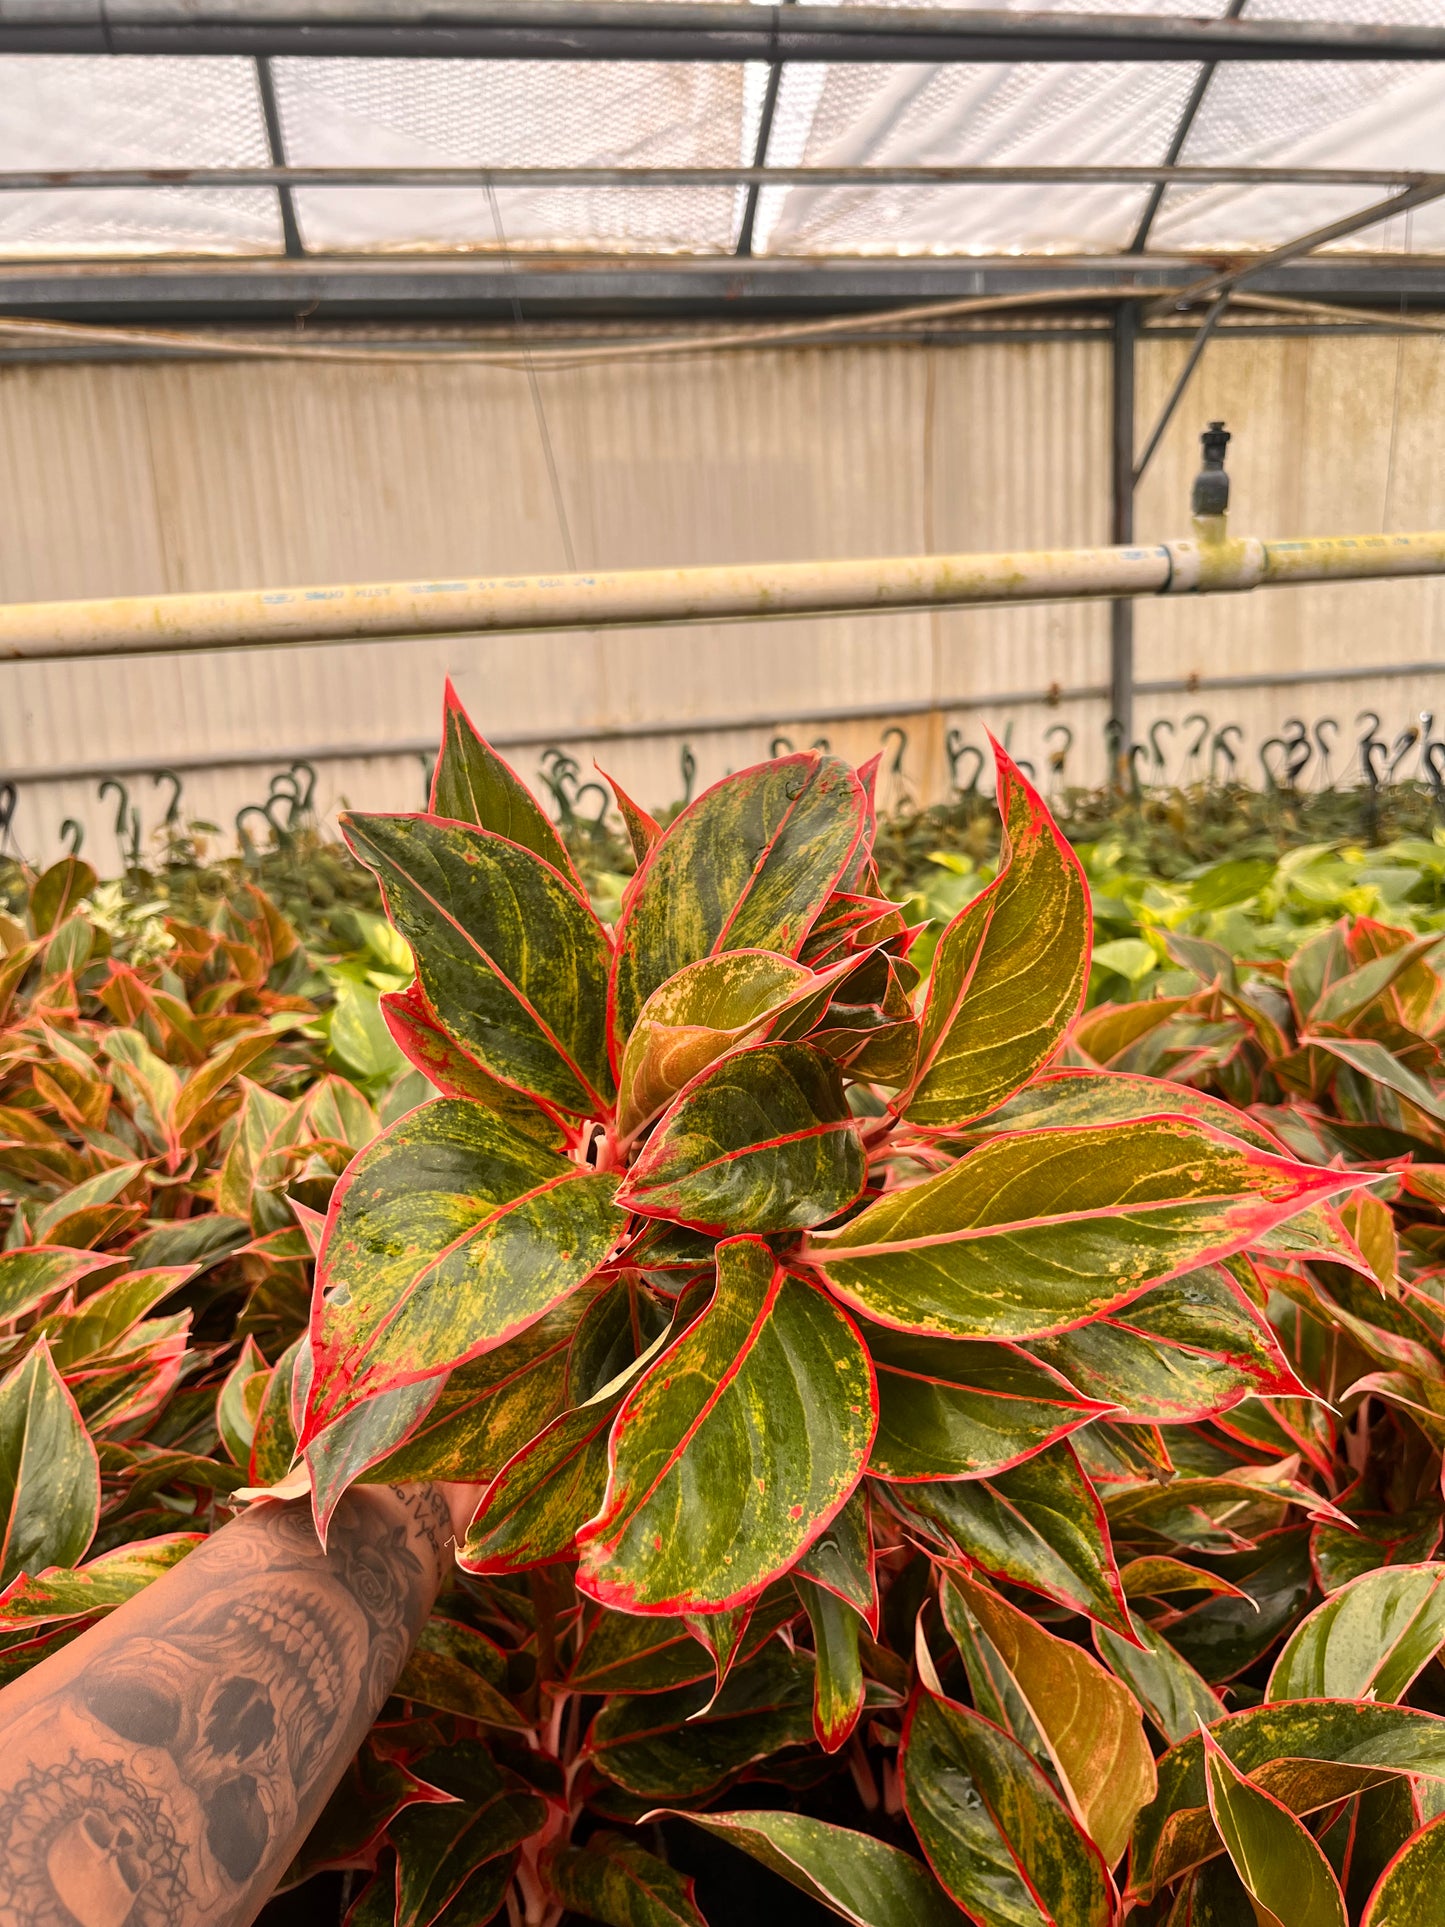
1409, 1889
419, 1035
1370, 1640
472, 784
949, 1408
614, 1880
837, 1668
49, 1474
1088, 1721
861, 1878
1188, 1350
446, 1237
742, 1442
1174, 1696
996, 1834
1033, 1233
841, 1559
1308, 1754
1287, 1877
32, 1273
676, 1746
747, 866
708, 1008
107, 1581
1038, 1525
762, 1141
1009, 973
509, 954
238, 1402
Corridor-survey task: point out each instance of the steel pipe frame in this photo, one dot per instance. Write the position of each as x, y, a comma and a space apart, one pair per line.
653, 728
47, 631
481, 286
696, 30
279, 175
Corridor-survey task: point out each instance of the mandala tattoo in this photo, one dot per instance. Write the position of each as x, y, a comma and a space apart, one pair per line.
83, 1840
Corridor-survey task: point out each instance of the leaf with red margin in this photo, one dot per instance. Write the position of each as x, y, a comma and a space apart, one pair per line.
1067, 1097
509, 953
838, 1686
618, 1653
1306, 1753
420, 1038
1009, 973
614, 1879
841, 1559
677, 1746
736, 1450
1287, 1876
531, 1511
473, 784
708, 1009
996, 1833
1038, 1231
107, 1581
762, 1140
643, 830
1409, 1889
49, 1472
1088, 1721
1186, 1351
1339, 1554
1214, 1515
446, 1237
31, 1273
747, 866
1039, 1525
951, 1408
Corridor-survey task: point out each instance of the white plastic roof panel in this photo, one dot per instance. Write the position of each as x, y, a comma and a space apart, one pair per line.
519, 113
81, 111
60, 112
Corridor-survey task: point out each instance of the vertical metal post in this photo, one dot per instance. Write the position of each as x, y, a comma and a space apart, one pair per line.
275, 142
1121, 614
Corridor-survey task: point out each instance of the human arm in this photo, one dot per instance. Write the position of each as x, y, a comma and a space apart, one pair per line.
162, 1769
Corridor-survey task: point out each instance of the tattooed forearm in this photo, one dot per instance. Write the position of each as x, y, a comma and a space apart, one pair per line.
161, 1771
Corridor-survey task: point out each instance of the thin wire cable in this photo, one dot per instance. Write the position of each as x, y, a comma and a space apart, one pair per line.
553, 478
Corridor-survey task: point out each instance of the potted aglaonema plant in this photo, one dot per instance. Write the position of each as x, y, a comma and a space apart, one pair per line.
766, 1295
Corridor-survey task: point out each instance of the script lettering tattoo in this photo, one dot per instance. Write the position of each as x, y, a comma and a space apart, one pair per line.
180, 1762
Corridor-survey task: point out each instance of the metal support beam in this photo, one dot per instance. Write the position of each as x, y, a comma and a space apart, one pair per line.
1182, 132
478, 288
1176, 393
1121, 612
760, 155
707, 30
629, 598
1423, 192
42, 180
276, 147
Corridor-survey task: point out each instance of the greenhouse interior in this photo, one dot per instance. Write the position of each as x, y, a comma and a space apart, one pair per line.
722, 963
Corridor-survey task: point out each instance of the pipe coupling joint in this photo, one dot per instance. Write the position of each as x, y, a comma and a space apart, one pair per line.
1232, 564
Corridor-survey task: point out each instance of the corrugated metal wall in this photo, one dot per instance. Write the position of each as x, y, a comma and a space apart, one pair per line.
126, 479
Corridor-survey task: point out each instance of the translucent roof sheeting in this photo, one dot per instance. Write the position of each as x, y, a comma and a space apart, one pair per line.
68, 111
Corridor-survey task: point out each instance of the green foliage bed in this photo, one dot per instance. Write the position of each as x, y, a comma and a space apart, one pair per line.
956, 1424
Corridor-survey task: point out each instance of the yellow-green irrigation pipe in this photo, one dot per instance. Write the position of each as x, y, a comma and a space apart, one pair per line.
626, 598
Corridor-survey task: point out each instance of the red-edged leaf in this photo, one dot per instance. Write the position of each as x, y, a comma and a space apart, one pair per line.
446, 1237
736, 1450
1009, 973
643, 830
1035, 1232
510, 956
473, 784
422, 1041
748, 865
762, 1141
